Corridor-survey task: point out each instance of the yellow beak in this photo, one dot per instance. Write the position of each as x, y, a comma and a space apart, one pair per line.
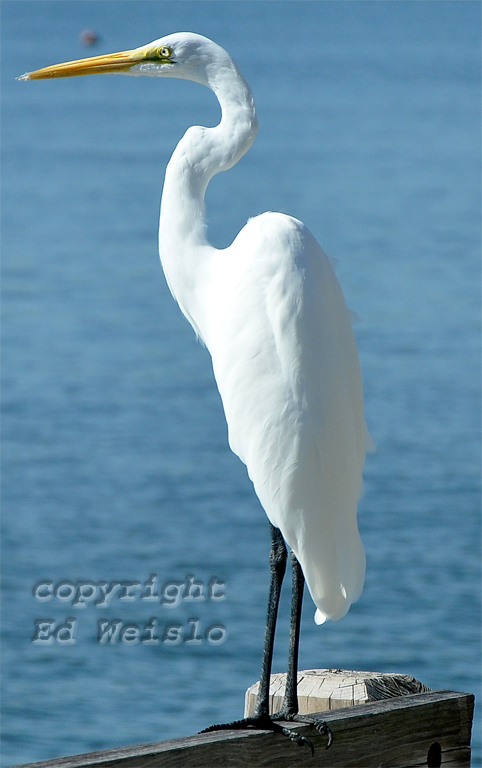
109, 62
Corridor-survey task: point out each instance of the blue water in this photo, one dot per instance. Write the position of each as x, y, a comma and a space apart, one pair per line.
115, 457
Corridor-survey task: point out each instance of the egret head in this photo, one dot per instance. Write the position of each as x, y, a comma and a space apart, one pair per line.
183, 54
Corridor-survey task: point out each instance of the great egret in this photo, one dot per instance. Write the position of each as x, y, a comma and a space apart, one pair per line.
271, 312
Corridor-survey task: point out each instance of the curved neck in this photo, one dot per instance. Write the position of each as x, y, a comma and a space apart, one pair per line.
201, 153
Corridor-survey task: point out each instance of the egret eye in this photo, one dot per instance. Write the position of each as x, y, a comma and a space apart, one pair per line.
164, 52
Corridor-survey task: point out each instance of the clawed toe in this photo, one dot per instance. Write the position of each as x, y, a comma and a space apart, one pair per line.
246, 722
262, 723
324, 729
321, 726
298, 739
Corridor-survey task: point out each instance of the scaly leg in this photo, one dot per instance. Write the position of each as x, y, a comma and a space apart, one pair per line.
289, 710
277, 563
261, 718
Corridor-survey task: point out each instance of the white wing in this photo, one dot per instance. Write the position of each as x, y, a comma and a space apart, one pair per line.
287, 368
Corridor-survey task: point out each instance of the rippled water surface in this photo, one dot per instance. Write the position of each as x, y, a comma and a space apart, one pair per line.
116, 464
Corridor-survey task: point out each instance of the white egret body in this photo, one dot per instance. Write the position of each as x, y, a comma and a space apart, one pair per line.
272, 314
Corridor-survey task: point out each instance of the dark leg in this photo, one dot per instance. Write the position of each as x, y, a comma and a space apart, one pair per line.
261, 718
290, 704
277, 563
289, 710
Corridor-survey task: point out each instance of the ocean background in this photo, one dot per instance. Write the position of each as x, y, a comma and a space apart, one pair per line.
115, 457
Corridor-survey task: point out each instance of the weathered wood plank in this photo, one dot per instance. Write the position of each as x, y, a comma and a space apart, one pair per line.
395, 733
320, 690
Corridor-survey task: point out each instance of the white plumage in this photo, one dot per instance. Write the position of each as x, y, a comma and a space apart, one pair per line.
272, 314
286, 365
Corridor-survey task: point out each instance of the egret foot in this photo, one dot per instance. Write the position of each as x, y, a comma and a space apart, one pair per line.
321, 725
263, 723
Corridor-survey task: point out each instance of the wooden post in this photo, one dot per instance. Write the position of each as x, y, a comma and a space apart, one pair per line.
423, 729
320, 690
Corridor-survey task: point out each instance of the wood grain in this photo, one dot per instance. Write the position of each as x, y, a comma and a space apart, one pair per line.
320, 690
393, 733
